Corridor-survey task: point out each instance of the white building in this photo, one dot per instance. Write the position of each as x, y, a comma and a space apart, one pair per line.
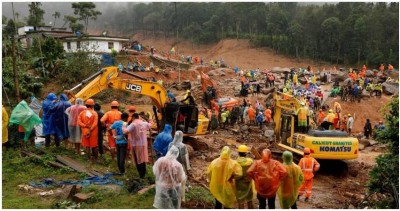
95, 44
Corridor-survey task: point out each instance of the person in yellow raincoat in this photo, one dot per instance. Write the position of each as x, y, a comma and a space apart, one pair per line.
221, 174
302, 115
4, 125
289, 188
295, 79
245, 190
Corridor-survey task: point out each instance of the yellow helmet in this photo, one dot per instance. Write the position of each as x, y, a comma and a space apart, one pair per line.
330, 110
243, 148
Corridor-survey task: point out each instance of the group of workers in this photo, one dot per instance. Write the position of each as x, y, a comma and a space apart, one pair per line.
241, 181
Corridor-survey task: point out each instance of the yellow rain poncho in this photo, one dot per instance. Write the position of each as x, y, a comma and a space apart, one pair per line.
221, 174
289, 187
4, 124
245, 190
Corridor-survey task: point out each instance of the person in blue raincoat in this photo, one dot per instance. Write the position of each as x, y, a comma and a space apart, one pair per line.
60, 119
47, 119
162, 141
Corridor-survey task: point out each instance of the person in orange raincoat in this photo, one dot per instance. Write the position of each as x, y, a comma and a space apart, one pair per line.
289, 188
343, 123
268, 115
321, 117
308, 165
87, 120
364, 68
267, 174
381, 68
107, 120
252, 114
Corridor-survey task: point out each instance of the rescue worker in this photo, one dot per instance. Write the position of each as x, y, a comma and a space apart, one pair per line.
267, 174
268, 115
245, 191
308, 166
188, 99
302, 116
213, 122
73, 127
224, 118
47, 119
121, 141
331, 119
252, 115
100, 127
343, 124
221, 174
107, 120
295, 78
162, 141
260, 119
350, 122
131, 110
171, 96
4, 122
169, 174
235, 113
60, 119
367, 129
137, 131
289, 188
183, 158
87, 120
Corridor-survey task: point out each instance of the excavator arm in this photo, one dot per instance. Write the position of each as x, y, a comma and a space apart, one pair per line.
107, 78
207, 81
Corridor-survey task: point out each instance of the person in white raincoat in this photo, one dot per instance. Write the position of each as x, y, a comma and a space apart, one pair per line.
183, 157
169, 175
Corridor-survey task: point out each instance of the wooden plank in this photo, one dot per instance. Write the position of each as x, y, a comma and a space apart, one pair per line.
51, 163
67, 161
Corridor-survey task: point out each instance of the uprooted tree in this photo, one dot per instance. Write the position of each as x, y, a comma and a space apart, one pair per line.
384, 177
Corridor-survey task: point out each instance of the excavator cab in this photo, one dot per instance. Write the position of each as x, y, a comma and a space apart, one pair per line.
182, 117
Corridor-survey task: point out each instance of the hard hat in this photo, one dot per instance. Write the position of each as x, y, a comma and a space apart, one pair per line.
302, 103
348, 114
188, 91
243, 148
114, 103
132, 108
330, 110
306, 150
90, 102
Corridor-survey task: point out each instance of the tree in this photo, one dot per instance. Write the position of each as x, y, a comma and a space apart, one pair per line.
86, 11
55, 15
384, 177
73, 23
35, 17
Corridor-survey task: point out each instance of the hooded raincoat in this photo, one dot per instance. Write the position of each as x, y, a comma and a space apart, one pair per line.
73, 114
220, 174
162, 141
245, 190
289, 188
60, 119
47, 117
267, 174
24, 116
169, 174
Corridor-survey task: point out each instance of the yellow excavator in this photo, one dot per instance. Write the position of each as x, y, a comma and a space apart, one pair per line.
190, 121
323, 144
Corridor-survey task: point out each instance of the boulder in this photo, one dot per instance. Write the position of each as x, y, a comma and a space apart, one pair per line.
268, 90
361, 147
244, 128
390, 88
369, 73
365, 142
341, 76
269, 134
365, 93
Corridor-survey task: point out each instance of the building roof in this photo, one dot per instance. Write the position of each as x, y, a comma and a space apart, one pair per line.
55, 34
96, 37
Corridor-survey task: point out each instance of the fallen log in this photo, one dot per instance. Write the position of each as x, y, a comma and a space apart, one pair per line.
51, 163
77, 166
145, 189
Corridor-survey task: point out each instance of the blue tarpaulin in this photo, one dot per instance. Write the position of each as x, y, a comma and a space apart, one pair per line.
95, 180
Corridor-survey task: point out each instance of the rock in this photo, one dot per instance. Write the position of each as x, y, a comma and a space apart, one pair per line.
81, 197
268, 90
112, 187
365, 93
269, 134
390, 88
365, 142
373, 142
361, 147
369, 73
237, 88
341, 76
244, 128
190, 150
354, 172
351, 207
276, 70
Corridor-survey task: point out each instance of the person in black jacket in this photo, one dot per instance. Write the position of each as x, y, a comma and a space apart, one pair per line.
101, 129
367, 129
